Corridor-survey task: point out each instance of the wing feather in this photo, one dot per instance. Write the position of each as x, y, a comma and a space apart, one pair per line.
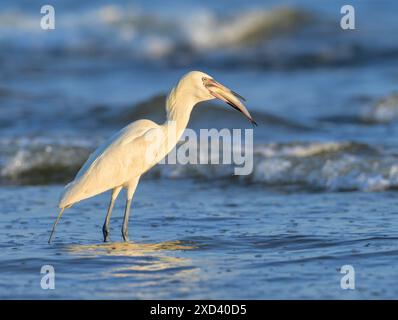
110, 165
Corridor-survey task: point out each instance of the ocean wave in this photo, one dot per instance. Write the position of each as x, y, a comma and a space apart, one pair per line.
154, 33
328, 166
311, 166
372, 112
285, 37
206, 115
383, 111
40, 161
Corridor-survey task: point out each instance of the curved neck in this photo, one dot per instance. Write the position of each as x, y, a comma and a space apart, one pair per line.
178, 111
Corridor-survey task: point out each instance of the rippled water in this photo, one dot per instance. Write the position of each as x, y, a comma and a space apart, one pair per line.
195, 240
322, 192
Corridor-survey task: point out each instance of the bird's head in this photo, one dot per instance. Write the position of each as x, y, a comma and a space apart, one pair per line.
203, 87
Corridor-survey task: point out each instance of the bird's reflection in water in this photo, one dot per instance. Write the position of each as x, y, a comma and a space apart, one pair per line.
140, 260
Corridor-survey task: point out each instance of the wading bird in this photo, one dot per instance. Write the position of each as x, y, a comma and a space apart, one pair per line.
121, 160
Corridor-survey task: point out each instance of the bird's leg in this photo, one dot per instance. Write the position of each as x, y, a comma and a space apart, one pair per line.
105, 228
55, 224
130, 191
125, 227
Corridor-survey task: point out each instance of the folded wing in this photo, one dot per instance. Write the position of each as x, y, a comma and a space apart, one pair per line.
112, 164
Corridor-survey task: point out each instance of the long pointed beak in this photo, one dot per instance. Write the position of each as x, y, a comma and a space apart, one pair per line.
221, 92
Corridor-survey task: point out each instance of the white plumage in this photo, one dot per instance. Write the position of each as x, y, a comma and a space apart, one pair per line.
115, 163
121, 160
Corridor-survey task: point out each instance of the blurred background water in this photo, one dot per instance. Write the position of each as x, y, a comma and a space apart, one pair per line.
323, 188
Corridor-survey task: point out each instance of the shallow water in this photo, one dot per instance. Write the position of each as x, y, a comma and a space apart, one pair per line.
222, 241
323, 190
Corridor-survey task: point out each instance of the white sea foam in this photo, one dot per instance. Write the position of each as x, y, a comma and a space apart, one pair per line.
148, 33
332, 166
385, 110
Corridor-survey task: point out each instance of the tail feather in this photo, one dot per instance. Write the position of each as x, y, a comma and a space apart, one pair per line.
75, 191
67, 195
80, 190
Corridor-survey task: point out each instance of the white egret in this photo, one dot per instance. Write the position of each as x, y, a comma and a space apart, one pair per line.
121, 160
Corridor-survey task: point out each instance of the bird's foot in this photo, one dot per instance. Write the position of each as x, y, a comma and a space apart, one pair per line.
105, 233
125, 236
